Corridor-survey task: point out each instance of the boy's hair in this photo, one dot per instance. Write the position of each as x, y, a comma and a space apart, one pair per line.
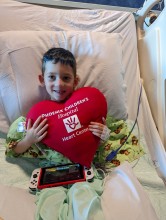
59, 55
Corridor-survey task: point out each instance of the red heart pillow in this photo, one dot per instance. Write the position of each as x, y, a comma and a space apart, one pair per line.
68, 131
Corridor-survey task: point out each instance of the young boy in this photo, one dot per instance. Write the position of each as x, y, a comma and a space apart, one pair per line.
60, 80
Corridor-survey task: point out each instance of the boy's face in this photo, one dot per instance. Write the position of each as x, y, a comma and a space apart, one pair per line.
59, 81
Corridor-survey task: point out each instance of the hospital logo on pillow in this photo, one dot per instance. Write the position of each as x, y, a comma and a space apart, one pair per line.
72, 123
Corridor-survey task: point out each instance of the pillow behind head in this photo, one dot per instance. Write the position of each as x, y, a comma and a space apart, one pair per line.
99, 64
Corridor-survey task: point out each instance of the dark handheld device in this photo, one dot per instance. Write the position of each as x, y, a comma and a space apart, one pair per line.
60, 175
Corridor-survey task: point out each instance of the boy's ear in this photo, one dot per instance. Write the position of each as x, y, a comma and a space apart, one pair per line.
41, 80
77, 80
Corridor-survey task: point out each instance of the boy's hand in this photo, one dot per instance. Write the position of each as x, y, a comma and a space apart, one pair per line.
36, 132
100, 130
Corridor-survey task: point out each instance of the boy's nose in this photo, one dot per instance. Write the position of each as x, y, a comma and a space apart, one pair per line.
59, 82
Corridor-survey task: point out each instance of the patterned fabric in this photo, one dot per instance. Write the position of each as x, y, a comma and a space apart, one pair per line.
130, 151
35, 151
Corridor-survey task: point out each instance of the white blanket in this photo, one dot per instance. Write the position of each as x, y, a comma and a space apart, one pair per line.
124, 197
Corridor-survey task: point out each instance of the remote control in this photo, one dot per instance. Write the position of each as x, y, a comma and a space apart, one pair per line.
89, 174
34, 179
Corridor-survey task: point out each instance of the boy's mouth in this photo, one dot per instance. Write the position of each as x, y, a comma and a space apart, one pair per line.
60, 92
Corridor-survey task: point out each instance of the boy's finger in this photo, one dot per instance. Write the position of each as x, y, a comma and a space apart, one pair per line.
104, 121
36, 123
41, 124
29, 124
42, 136
43, 129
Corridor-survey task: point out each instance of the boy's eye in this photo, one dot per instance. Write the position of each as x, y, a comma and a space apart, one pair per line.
51, 77
66, 78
